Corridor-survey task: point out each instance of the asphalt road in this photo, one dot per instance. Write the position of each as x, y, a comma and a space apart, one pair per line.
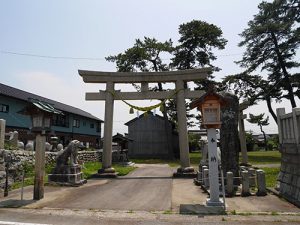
86, 217
148, 188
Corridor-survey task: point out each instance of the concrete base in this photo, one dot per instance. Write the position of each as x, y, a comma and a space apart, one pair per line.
106, 173
210, 203
69, 176
201, 209
187, 172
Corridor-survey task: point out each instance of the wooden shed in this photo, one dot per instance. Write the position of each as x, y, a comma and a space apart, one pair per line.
152, 137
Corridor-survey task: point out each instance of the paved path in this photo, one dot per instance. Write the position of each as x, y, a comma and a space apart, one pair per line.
147, 188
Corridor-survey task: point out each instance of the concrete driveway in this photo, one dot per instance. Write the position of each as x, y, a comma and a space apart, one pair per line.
148, 188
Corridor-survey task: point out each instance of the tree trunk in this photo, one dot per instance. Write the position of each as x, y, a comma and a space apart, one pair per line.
230, 143
265, 138
289, 87
271, 111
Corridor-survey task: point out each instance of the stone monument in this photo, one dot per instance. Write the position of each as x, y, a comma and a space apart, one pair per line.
67, 170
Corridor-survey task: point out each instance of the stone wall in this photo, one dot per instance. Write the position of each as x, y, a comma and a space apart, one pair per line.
19, 158
289, 139
289, 176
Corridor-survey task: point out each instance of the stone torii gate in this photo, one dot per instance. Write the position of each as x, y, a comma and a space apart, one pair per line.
111, 78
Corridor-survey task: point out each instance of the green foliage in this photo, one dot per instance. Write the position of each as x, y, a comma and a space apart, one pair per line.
271, 40
197, 41
264, 157
273, 143
250, 141
194, 143
27, 181
8, 146
271, 176
91, 168
195, 158
144, 56
260, 121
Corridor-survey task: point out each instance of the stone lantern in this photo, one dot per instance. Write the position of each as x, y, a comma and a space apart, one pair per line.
41, 114
210, 107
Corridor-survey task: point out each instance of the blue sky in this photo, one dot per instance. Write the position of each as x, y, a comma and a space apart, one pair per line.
96, 29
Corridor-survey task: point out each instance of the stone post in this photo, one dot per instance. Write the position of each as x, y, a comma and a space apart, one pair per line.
261, 183
108, 126
214, 199
203, 178
242, 135
204, 155
252, 182
206, 178
245, 183
182, 129
229, 184
2, 133
38, 192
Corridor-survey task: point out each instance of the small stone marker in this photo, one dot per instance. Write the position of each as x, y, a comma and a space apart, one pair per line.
229, 184
261, 183
29, 146
13, 139
252, 182
245, 183
205, 178
203, 168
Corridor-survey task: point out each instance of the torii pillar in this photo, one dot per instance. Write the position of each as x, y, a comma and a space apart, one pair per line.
242, 133
108, 128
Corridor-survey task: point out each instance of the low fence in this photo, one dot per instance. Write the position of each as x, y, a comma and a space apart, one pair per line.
249, 179
289, 140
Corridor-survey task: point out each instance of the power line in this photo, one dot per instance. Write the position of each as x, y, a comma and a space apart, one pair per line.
79, 58
48, 56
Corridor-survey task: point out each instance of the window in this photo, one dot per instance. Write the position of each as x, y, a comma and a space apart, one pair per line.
60, 120
84, 123
92, 126
4, 108
76, 123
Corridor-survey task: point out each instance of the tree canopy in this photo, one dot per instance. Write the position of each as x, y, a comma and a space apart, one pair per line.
195, 50
271, 40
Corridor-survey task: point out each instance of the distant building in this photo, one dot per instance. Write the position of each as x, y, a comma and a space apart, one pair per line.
152, 137
73, 124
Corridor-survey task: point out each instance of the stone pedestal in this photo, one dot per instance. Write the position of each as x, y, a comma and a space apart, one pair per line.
106, 173
187, 172
67, 175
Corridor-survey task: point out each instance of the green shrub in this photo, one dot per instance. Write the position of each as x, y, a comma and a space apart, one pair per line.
250, 142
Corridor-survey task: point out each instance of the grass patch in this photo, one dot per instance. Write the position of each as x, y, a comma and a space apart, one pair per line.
263, 157
195, 158
167, 212
271, 176
91, 168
